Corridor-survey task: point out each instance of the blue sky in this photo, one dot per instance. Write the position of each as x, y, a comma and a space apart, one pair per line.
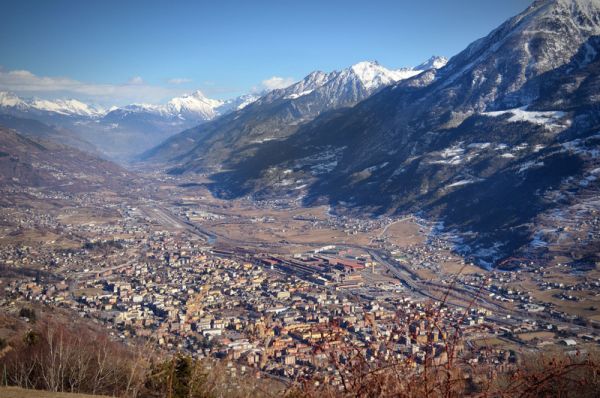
122, 51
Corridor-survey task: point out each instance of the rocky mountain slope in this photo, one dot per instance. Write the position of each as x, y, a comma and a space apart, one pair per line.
277, 115
503, 139
37, 130
41, 163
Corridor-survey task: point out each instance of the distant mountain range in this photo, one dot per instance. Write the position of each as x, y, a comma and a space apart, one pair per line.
188, 109
9, 102
120, 132
194, 107
501, 146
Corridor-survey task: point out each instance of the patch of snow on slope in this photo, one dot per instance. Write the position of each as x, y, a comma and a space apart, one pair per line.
521, 147
528, 165
538, 240
451, 156
322, 162
460, 183
587, 180
581, 147
547, 119
260, 141
452, 152
300, 94
376, 167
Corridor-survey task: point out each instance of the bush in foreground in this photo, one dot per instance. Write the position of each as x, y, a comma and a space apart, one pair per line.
58, 358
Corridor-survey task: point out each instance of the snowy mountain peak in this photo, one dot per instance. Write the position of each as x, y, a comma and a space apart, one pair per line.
69, 107
374, 76
198, 94
310, 83
193, 105
188, 108
10, 100
435, 62
364, 65
370, 75
235, 104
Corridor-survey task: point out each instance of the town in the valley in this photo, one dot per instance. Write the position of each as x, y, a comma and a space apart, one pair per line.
276, 289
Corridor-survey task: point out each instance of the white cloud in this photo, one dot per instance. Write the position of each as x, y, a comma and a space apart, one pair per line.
179, 80
275, 82
135, 90
136, 80
25, 83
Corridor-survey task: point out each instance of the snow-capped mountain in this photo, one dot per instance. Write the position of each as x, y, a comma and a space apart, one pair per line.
192, 108
281, 112
10, 100
237, 103
374, 76
69, 107
434, 62
354, 83
194, 105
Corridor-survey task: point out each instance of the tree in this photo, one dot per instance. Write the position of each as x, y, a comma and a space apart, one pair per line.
28, 313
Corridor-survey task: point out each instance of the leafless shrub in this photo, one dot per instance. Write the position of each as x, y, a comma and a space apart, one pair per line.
445, 371
551, 375
57, 358
183, 377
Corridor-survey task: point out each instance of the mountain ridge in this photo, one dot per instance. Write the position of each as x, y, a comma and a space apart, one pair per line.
279, 113
35, 162
484, 144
